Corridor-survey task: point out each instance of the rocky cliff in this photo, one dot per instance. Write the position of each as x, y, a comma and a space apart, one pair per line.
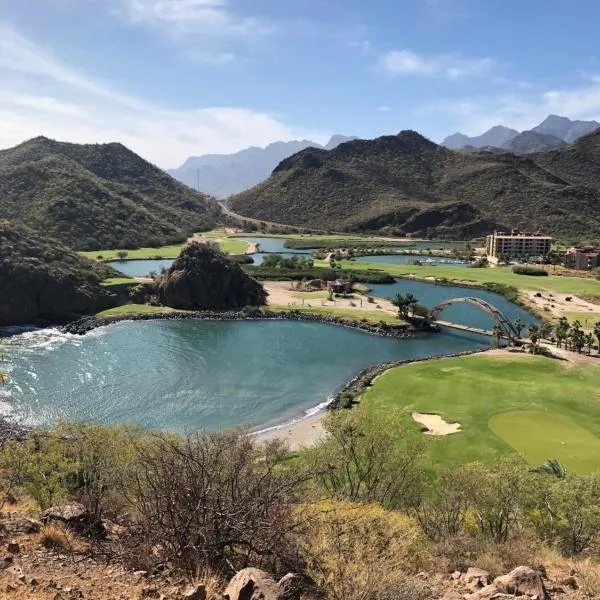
204, 278
42, 280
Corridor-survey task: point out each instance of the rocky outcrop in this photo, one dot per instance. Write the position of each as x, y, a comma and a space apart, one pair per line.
203, 278
253, 584
522, 582
42, 280
75, 516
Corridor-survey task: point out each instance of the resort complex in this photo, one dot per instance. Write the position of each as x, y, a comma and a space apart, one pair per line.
516, 244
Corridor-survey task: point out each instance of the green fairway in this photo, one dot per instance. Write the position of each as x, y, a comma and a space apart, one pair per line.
117, 281
135, 309
470, 275
587, 319
230, 245
473, 390
355, 314
538, 435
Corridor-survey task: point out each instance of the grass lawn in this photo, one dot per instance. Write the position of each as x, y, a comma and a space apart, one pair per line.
230, 245
372, 316
476, 391
574, 285
117, 281
135, 309
587, 319
538, 435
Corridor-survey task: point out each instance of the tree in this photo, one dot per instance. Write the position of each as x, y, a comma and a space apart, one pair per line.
545, 330
577, 337
534, 337
406, 304
497, 331
597, 333
562, 331
552, 467
519, 325
589, 342
122, 254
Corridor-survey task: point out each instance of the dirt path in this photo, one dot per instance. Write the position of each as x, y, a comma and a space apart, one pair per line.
282, 292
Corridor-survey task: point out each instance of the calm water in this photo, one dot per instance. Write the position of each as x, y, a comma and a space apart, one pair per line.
189, 375
404, 259
430, 295
141, 268
271, 245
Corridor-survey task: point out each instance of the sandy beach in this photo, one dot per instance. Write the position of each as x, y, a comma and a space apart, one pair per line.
303, 434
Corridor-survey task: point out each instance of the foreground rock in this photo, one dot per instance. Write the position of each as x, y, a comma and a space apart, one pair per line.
42, 280
204, 278
253, 584
75, 516
522, 582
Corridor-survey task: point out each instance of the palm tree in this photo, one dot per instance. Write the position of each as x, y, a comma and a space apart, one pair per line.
562, 330
577, 337
519, 326
589, 342
545, 330
597, 333
552, 467
405, 303
497, 331
534, 337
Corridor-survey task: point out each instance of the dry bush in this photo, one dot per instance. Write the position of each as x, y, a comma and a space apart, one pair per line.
219, 500
213, 581
55, 537
362, 552
588, 578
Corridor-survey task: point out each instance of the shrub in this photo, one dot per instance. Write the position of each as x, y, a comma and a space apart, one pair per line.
54, 537
362, 552
519, 270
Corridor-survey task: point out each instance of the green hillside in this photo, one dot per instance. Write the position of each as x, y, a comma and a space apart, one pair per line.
40, 278
407, 184
98, 196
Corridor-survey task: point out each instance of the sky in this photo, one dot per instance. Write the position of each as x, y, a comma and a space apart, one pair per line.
178, 78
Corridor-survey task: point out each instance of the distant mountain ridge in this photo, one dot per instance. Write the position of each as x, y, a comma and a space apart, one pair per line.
96, 196
222, 175
406, 184
500, 137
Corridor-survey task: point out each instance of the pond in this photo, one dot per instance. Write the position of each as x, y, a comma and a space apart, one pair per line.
431, 294
140, 268
191, 375
407, 259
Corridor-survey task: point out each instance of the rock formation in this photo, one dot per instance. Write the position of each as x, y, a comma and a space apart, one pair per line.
204, 278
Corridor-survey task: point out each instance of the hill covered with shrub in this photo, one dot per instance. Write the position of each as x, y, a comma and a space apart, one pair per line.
406, 184
97, 196
40, 279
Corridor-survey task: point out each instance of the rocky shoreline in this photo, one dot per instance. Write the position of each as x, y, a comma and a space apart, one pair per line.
87, 324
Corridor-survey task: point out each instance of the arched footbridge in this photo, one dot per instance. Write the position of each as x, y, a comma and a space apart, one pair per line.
507, 329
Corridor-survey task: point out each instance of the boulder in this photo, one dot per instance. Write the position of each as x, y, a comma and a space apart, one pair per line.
489, 591
195, 592
476, 576
75, 516
25, 526
291, 586
203, 278
253, 584
522, 581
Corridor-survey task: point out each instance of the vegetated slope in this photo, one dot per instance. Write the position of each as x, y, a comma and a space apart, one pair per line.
42, 279
533, 141
407, 184
224, 174
98, 196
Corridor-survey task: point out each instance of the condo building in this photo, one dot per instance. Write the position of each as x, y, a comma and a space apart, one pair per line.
516, 244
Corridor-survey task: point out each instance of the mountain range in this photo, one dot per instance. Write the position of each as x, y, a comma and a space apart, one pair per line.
222, 175
554, 132
98, 196
406, 184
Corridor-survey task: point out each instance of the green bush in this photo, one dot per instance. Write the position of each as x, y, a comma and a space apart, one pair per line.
522, 270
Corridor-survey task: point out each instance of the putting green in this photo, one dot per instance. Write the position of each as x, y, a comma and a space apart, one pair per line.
539, 435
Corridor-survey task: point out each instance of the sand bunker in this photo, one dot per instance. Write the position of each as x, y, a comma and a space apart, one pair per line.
435, 425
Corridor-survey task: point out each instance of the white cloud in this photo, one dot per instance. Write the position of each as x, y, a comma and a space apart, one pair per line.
41, 95
475, 115
384, 109
407, 62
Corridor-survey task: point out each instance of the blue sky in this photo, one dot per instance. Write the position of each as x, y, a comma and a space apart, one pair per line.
173, 78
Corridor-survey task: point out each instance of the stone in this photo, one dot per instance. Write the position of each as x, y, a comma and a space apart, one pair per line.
253, 584
25, 526
522, 581
291, 586
75, 516
196, 592
476, 576
203, 278
489, 591
13, 547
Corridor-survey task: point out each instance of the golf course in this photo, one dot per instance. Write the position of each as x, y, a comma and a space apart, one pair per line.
540, 407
